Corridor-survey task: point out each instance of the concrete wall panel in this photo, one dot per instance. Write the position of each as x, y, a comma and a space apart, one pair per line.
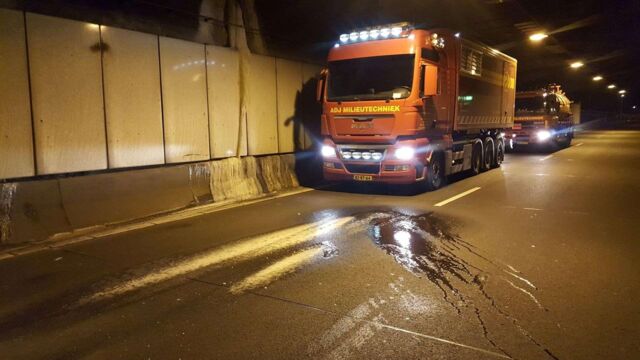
184, 99
223, 72
289, 81
132, 98
16, 144
262, 121
66, 84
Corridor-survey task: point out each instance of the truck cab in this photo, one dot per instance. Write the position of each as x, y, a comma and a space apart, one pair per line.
542, 117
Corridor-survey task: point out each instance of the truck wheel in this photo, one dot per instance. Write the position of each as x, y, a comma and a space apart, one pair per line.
499, 153
489, 151
476, 159
435, 173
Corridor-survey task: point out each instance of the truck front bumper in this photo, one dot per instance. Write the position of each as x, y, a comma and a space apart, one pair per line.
387, 169
398, 173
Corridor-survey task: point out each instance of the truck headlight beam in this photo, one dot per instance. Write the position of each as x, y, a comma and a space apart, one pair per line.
543, 135
328, 151
405, 153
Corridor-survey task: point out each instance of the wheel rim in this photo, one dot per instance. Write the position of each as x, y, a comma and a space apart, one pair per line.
500, 157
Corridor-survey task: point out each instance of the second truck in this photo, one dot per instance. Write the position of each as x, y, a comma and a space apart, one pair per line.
543, 118
403, 106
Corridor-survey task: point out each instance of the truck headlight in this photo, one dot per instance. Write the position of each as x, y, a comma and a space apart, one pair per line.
543, 135
328, 151
405, 153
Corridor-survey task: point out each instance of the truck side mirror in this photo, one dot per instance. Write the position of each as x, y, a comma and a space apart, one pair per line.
320, 85
430, 80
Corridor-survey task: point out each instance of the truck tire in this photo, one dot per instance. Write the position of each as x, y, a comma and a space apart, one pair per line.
488, 155
435, 173
476, 159
499, 158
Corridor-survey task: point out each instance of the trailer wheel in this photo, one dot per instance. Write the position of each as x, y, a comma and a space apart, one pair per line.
489, 151
476, 159
499, 158
435, 173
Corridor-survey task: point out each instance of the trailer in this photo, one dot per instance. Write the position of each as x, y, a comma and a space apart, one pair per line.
403, 105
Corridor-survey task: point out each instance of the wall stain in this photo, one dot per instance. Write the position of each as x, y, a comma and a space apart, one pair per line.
7, 194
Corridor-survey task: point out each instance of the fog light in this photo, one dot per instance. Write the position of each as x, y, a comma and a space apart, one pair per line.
366, 155
346, 155
329, 165
356, 155
328, 151
376, 156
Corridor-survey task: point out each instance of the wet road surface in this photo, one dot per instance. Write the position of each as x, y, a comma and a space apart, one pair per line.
540, 262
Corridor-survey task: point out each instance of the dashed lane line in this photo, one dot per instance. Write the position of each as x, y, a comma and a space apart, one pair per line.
456, 197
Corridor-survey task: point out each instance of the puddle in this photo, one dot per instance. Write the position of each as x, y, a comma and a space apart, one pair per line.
423, 244
427, 246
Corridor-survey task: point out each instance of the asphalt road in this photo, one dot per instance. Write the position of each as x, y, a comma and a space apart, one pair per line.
540, 261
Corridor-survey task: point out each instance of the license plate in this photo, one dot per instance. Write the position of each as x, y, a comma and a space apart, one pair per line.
363, 177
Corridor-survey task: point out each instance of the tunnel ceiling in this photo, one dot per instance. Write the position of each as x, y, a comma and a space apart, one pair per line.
605, 35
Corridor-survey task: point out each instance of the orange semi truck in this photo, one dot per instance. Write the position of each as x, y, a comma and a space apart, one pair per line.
403, 105
543, 117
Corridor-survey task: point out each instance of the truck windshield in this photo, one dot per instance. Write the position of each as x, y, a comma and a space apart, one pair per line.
533, 104
374, 78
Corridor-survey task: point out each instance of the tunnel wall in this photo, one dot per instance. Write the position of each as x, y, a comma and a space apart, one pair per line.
78, 97
36, 210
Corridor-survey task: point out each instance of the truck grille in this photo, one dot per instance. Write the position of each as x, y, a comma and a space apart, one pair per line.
363, 168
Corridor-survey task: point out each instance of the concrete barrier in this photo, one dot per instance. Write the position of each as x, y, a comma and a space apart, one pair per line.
36, 210
277, 172
235, 179
31, 211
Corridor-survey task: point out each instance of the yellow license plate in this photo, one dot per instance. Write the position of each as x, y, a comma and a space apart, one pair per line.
363, 177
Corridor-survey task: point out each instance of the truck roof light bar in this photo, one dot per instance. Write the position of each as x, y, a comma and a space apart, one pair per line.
391, 31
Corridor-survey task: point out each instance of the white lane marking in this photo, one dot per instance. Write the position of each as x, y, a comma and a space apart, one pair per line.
546, 157
542, 174
579, 144
453, 198
532, 209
